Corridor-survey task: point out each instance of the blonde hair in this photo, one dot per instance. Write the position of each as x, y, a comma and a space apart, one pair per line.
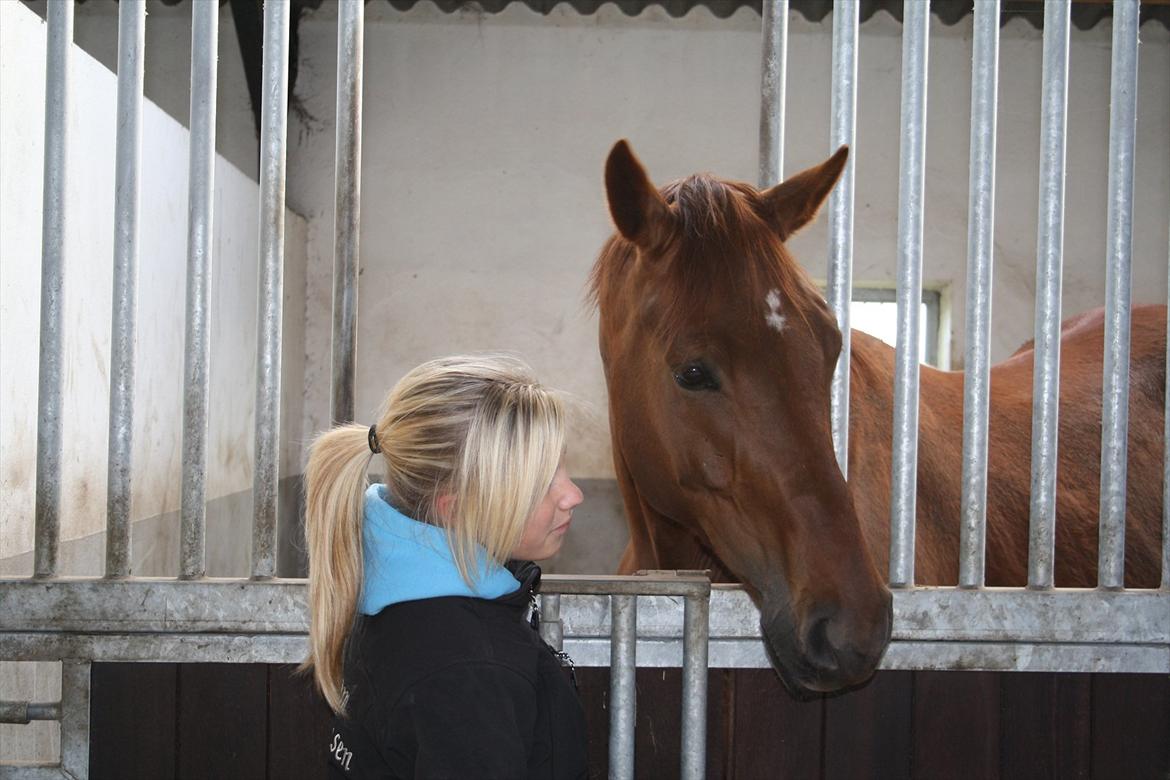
477, 428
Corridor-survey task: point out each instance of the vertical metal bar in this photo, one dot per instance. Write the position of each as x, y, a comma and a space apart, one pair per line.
1049, 259
774, 20
1115, 384
622, 662
1166, 451
273, 132
915, 52
131, 45
200, 256
75, 692
49, 382
551, 629
980, 234
696, 626
842, 130
348, 168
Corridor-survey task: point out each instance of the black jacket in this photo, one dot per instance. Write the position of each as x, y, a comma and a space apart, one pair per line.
457, 687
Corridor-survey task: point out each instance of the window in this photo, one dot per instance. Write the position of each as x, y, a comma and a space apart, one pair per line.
874, 310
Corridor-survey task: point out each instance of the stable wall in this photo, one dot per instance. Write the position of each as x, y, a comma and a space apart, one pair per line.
483, 205
160, 338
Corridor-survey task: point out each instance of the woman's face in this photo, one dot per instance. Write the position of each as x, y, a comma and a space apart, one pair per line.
545, 529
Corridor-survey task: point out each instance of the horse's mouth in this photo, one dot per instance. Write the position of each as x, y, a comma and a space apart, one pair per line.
802, 681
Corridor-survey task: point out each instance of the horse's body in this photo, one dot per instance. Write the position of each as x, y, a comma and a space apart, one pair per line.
719, 353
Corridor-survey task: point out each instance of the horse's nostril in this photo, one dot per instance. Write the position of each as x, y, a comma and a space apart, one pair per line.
818, 647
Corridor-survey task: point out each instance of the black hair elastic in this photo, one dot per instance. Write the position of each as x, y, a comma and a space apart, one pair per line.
375, 447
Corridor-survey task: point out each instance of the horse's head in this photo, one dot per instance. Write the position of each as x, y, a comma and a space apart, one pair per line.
719, 353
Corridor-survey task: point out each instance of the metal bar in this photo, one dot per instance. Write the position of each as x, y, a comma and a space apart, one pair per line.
1049, 259
1166, 451
1115, 382
636, 585
915, 52
551, 630
75, 718
240, 621
24, 712
273, 132
200, 256
725, 652
694, 688
980, 249
623, 660
774, 69
49, 382
842, 130
131, 50
277, 606
348, 169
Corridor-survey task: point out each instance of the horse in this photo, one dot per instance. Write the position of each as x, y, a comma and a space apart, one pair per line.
718, 352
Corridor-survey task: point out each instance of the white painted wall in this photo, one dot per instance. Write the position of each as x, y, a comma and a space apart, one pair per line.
485, 137
88, 285
160, 333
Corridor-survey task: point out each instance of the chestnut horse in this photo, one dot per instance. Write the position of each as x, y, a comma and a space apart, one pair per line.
718, 354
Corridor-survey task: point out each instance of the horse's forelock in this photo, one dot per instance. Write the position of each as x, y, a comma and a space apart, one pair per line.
721, 243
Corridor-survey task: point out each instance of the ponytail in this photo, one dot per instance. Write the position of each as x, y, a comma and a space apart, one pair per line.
335, 485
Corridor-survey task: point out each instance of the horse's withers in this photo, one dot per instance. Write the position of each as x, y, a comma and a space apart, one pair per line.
714, 342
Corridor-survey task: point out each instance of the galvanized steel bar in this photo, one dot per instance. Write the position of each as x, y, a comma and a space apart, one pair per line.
49, 382
22, 713
842, 130
1166, 453
622, 692
551, 630
980, 249
200, 256
915, 52
273, 132
75, 718
131, 50
694, 688
1115, 382
774, 19
348, 171
1049, 259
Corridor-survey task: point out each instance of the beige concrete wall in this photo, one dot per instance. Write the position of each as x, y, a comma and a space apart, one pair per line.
485, 137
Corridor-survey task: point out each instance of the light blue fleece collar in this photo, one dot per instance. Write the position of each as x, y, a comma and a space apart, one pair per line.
406, 560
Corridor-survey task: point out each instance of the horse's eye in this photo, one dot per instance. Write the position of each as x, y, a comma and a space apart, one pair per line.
694, 376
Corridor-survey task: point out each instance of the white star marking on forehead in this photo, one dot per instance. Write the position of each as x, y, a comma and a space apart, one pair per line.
774, 318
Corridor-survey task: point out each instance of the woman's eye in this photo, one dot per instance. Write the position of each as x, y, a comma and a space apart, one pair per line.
694, 376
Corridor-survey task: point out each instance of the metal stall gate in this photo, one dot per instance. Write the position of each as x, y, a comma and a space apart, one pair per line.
665, 619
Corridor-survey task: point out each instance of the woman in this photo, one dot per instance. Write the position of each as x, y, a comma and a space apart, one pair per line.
419, 588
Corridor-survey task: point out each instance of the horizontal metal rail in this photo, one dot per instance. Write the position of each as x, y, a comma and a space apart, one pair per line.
245, 621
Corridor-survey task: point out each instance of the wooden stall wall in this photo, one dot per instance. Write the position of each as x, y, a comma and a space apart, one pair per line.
245, 721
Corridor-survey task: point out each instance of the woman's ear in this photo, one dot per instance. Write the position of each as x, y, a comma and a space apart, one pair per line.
444, 506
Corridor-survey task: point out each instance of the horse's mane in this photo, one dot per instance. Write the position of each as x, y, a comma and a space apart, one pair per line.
721, 241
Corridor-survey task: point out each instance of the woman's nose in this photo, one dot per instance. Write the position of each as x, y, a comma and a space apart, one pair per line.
572, 496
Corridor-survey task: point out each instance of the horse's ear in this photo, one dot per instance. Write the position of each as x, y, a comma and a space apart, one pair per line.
638, 211
793, 203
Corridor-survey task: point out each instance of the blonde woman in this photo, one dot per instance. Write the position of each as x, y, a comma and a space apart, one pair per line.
420, 589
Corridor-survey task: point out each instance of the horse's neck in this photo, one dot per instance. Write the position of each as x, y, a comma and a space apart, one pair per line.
871, 431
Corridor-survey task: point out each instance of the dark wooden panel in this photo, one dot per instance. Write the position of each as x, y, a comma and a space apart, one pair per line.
867, 731
223, 710
132, 721
1131, 726
956, 725
298, 726
1045, 726
775, 736
658, 721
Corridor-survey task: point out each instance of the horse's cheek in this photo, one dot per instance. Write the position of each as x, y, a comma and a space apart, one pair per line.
716, 471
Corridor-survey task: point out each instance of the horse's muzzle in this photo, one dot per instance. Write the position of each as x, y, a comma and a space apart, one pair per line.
831, 649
